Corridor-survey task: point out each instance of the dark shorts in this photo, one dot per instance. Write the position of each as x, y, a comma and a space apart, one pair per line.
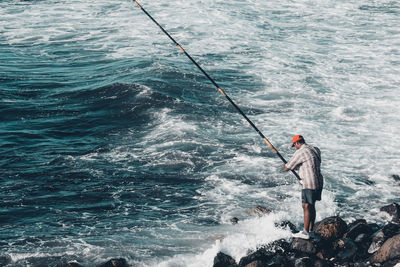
310, 196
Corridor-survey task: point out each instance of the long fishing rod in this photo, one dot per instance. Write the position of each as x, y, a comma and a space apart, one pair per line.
219, 88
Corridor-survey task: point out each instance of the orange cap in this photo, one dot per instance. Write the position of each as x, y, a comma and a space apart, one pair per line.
297, 138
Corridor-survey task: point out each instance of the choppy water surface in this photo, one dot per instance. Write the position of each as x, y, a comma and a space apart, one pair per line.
114, 145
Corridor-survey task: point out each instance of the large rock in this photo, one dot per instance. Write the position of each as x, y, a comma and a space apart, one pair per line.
346, 249
382, 235
390, 250
391, 229
255, 264
273, 253
331, 228
357, 228
394, 211
303, 246
311, 261
223, 260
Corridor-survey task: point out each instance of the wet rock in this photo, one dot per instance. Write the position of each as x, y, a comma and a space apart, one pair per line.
396, 177
287, 224
326, 253
377, 241
255, 264
274, 260
303, 262
303, 246
357, 228
234, 220
382, 235
362, 264
391, 229
223, 260
390, 250
393, 210
322, 263
311, 261
346, 248
273, 253
363, 243
375, 227
115, 263
393, 263
259, 211
331, 228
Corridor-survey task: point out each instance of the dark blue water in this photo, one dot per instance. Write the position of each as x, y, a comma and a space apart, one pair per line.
112, 143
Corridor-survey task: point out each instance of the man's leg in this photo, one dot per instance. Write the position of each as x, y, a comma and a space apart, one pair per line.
307, 216
312, 217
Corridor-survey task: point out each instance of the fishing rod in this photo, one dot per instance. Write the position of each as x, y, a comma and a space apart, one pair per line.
219, 88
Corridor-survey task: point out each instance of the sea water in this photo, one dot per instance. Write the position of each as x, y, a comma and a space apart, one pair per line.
113, 144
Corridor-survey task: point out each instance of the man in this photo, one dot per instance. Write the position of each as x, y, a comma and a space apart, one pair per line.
307, 161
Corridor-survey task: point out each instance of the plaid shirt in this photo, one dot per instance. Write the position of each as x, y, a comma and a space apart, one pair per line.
307, 160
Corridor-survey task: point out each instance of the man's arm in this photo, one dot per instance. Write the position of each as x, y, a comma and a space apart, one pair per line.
296, 160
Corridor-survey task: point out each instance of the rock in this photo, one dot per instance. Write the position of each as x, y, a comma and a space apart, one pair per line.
357, 228
115, 263
377, 241
331, 228
234, 220
363, 243
393, 210
287, 224
322, 263
304, 246
393, 263
391, 229
360, 232
362, 264
303, 262
271, 254
326, 253
381, 236
396, 177
375, 227
390, 250
310, 261
259, 211
255, 264
346, 248
223, 260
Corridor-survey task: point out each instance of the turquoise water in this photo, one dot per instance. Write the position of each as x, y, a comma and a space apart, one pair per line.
113, 144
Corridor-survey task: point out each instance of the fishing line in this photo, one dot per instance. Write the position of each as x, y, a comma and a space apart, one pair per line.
219, 88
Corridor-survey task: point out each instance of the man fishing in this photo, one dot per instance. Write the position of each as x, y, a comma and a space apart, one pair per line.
307, 161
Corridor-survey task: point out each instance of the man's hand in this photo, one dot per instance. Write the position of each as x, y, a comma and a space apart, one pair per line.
284, 166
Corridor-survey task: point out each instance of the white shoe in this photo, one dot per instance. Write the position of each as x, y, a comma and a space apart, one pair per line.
302, 234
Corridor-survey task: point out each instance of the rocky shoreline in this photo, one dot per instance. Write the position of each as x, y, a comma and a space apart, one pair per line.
337, 243
358, 244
